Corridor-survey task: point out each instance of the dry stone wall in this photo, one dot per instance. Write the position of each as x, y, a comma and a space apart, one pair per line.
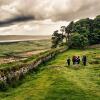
6, 76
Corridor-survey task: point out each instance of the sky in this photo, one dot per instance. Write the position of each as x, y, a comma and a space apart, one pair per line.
42, 17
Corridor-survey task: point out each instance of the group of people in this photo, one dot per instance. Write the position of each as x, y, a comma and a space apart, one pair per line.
77, 60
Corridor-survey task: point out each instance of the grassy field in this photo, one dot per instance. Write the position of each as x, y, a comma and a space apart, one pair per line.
12, 53
20, 47
55, 81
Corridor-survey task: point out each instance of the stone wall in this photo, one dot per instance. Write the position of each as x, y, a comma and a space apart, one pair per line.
7, 76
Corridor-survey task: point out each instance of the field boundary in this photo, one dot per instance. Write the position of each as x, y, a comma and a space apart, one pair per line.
15, 73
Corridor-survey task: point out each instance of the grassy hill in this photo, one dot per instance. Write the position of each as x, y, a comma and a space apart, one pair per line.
24, 46
12, 54
55, 81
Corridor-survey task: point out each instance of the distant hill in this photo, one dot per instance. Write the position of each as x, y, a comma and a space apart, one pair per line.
8, 38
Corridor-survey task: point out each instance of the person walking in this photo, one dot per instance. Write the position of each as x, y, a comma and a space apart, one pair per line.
78, 60
68, 61
74, 60
84, 60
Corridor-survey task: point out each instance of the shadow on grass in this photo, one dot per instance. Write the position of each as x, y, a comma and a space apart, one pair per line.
75, 67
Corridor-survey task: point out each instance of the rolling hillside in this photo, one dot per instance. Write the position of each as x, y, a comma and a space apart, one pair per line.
17, 51
55, 81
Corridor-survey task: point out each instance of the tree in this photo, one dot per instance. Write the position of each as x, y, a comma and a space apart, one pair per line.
85, 29
69, 30
94, 38
62, 29
78, 41
89, 28
57, 39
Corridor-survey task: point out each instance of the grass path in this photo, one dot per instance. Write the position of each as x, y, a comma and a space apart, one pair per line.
55, 81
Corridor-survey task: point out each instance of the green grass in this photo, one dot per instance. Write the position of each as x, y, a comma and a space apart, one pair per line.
55, 81
24, 46
21, 47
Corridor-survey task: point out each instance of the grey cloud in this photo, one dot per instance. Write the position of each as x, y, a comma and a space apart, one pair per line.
56, 10
16, 19
78, 9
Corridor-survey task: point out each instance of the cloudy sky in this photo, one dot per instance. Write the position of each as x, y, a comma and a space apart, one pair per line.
42, 17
